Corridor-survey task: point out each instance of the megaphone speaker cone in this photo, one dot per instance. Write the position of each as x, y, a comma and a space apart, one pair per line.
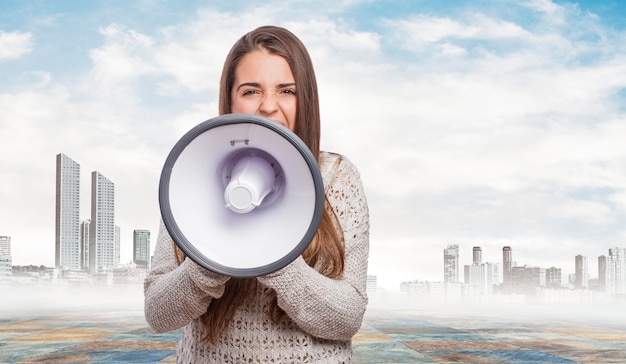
241, 195
251, 180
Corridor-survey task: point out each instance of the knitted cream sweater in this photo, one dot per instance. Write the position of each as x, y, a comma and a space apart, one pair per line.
323, 314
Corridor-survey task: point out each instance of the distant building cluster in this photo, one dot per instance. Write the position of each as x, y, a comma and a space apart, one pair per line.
87, 249
482, 279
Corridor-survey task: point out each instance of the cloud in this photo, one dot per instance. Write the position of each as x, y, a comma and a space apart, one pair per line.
14, 45
122, 46
544, 6
438, 35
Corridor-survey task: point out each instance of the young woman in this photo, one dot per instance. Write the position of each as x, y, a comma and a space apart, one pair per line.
308, 311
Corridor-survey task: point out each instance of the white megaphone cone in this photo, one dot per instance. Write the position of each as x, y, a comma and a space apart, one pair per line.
252, 179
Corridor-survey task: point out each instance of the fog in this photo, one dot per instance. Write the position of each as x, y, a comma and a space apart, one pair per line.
52, 299
45, 299
506, 309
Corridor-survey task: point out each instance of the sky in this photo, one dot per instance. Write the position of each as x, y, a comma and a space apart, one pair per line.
477, 123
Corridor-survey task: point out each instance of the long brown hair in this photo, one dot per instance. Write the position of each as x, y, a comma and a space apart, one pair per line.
326, 252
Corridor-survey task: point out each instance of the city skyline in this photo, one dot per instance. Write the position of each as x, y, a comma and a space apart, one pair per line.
610, 274
473, 123
68, 176
452, 271
91, 244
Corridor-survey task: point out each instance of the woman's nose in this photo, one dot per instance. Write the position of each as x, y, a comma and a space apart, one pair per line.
268, 105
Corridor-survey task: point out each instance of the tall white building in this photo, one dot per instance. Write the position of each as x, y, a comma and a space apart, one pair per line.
507, 268
141, 248
102, 252
67, 222
612, 271
371, 286
451, 264
618, 259
5, 257
5, 245
582, 272
492, 276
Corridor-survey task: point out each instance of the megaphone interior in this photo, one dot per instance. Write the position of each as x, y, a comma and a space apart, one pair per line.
241, 195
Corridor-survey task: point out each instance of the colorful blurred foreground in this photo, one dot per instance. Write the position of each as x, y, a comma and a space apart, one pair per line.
108, 326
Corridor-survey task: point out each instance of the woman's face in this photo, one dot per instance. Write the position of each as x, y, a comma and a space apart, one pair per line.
265, 86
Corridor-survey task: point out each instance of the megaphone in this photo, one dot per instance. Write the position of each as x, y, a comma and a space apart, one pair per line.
241, 195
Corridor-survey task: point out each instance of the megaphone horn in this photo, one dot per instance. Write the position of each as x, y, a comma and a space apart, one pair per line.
250, 178
241, 195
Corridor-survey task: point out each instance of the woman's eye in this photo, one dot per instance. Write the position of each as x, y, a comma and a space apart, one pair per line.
249, 92
289, 91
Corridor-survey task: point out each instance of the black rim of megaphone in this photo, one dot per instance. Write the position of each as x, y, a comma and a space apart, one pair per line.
185, 245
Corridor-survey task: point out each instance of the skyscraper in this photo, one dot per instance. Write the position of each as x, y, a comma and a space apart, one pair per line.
102, 225
371, 285
141, 248
507, 268
5, 246
582, 274
617, 260
451, 264
5, 257
604, 274
477, 255
491, 276
67, 222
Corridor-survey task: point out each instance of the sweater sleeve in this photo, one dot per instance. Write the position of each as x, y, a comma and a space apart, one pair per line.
176, 294
329, 308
